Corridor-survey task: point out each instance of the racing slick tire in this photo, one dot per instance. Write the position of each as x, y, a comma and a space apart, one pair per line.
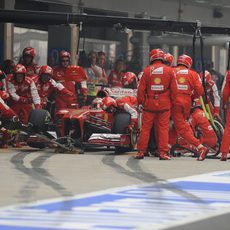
39, 118
37, 145
121, 122
219, 133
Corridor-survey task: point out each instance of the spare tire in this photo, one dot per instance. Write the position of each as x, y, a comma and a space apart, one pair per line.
121, 122
39, 118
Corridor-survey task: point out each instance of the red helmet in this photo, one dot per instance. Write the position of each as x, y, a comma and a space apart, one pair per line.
184, 60
107, 103
63, 54
169, 58
156, 54
196, 103
19, 68
129, 78
29, 51
45, 69
97, 103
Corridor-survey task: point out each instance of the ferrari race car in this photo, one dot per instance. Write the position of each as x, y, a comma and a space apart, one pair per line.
86, 126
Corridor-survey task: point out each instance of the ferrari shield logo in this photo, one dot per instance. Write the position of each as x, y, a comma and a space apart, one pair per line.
157, 80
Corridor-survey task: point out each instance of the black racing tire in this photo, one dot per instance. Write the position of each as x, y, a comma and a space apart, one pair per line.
37, 145
219, 133
39, 118
121, 122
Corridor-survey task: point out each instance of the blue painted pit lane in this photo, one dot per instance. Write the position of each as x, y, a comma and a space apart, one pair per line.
149, 206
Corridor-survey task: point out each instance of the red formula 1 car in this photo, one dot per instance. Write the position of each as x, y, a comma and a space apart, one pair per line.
87, 126
93, 126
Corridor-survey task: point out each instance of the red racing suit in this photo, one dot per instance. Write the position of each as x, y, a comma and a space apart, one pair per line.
225, 144
64, 101
31, 69
188, 83
6, 113
156, 90
128, 104
114, 79
199, 121
22, 96
46, 89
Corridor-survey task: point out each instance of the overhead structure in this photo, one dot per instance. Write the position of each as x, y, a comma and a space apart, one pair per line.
120, 23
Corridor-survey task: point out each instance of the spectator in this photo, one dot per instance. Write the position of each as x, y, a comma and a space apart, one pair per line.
94, 74
101, 63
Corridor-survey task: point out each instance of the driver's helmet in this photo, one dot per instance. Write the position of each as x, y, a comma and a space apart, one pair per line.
97, 103
109, 104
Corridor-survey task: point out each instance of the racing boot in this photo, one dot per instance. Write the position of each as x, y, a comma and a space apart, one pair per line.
224, 156
164, 156
139, 156
202, 153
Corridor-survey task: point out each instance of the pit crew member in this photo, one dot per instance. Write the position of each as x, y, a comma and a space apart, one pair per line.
23, 93
78, 89
188, 83
156, 88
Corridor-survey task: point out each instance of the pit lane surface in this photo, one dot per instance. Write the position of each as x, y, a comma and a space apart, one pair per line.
30, 175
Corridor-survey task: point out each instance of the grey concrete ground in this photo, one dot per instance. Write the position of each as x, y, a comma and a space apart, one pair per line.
28, 175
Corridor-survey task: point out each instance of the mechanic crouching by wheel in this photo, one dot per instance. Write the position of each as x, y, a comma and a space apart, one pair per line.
126, 104
199, 122
23, 93
156, 88
46, 85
